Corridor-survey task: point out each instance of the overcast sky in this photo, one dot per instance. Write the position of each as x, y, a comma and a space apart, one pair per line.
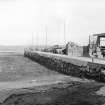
19, 18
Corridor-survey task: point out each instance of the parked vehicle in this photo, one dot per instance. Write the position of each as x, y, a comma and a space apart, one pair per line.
97, 45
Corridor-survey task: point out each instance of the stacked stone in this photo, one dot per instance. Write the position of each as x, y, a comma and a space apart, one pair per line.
55, 63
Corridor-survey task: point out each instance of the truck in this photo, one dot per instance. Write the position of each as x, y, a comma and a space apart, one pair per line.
97, 45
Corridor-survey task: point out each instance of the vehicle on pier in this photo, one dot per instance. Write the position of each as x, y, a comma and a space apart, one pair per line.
97, 45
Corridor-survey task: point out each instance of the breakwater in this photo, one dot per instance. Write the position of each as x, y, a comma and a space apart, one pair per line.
68, 66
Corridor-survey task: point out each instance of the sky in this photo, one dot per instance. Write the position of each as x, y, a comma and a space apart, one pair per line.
55, 20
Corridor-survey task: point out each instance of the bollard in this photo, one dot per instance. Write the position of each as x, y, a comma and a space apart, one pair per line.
92, 59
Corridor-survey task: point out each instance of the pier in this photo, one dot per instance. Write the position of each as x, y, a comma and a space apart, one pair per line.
70, 65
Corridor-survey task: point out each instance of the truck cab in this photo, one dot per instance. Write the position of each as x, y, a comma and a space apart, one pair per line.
97, 45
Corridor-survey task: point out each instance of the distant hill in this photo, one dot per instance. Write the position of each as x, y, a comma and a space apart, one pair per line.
18, 48
12, 48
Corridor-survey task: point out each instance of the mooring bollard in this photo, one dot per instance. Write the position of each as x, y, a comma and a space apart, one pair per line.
92, 59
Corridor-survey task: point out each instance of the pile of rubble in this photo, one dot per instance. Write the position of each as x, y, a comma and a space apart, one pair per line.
74, 49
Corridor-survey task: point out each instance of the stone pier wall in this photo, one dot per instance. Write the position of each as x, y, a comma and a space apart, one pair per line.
53, 62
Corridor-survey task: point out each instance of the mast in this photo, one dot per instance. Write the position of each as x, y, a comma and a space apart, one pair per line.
46, 37
64, 32
32, 38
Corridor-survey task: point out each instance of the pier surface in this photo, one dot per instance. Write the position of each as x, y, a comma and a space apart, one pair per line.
76, 60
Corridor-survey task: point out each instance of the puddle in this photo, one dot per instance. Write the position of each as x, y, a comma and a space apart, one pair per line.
101, 91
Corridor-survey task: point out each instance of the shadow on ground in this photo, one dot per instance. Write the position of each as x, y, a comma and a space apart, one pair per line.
75, 94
